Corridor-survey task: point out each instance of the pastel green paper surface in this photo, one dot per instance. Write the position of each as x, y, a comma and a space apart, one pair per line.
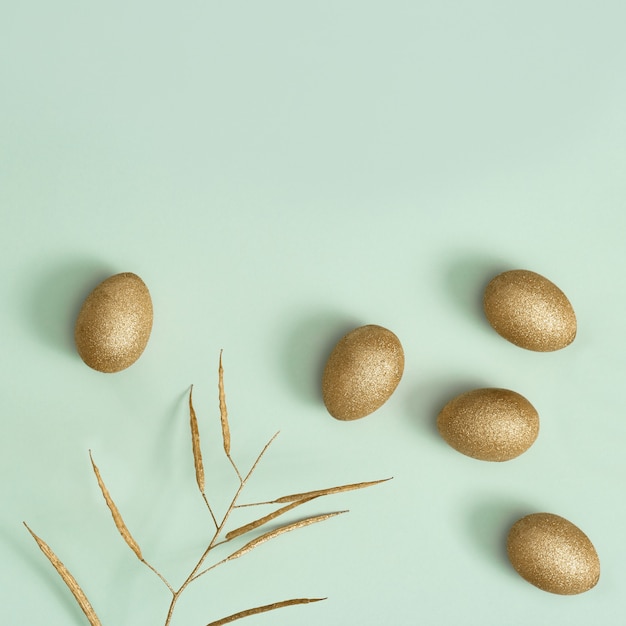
279, 173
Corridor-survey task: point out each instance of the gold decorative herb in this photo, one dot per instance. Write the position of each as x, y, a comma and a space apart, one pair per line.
221, 535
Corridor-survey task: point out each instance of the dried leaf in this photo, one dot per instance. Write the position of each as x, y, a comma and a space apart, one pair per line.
279, 531
195, 444
263, 609
117, 518
242, 530
223, 410
68, 579
326, 492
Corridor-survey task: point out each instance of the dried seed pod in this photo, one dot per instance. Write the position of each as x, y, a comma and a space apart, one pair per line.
195, 444
328, 491
530, 311
263, 609
281, 530
115, 513
68, 579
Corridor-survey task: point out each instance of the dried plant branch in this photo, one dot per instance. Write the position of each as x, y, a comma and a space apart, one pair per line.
263, 609
68, 579
291, 502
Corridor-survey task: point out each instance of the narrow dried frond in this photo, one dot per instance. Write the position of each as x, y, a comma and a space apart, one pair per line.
263, 609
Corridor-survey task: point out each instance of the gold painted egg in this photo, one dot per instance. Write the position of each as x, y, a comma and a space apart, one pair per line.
114, 323
362, 372
553, 554
530, 311
489, 424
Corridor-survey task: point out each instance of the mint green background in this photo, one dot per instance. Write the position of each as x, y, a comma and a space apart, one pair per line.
277, 173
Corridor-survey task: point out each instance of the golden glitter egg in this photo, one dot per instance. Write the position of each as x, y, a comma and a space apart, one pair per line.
551, 553
114, 323
529, 311
489, 424
362, 372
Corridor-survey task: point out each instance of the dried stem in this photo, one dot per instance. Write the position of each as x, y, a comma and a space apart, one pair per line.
194, 573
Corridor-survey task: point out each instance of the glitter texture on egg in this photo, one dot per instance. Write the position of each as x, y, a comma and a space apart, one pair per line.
530, 311
362, 372
553, 554
114, 323
489, 424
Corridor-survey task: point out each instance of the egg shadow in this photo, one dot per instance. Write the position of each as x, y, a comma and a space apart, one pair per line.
307, 348
465, 279
56, 295
487, 524
427, 398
